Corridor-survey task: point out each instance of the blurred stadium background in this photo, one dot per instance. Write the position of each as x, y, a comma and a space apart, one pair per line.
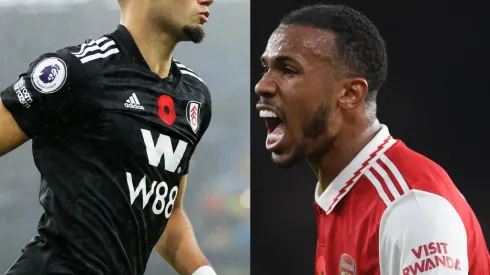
218, 197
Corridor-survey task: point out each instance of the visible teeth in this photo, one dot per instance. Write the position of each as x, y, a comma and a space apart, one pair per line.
267, 113
273, 137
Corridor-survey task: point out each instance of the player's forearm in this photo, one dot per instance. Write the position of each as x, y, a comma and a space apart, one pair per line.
11, 136
178, 245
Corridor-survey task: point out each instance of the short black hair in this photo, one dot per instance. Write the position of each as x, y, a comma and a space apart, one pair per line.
357, 40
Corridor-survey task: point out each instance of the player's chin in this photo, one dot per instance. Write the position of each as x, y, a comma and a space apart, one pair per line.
284, 154
194, 33
285, 160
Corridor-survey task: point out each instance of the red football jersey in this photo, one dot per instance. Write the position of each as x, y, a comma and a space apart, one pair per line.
392, 211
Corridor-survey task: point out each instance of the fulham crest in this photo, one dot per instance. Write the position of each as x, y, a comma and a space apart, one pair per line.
193, 113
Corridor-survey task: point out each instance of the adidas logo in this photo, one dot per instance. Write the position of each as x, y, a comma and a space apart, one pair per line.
133, 103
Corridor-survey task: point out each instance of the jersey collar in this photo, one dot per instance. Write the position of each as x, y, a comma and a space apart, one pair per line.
124, 39
344, 182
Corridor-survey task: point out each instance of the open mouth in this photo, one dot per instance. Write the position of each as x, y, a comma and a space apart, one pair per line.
275, 127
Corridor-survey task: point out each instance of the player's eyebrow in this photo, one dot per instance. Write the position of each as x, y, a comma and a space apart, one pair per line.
285, 58
280, 59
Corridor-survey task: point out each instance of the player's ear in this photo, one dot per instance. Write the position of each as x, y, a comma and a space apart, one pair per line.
354, 91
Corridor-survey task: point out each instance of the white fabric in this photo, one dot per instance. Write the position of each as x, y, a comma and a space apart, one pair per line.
204, 270
421, 233
356, 168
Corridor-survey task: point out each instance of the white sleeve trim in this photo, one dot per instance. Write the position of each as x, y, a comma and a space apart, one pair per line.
421, 233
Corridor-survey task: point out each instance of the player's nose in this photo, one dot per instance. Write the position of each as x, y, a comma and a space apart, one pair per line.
205, 2
265, 88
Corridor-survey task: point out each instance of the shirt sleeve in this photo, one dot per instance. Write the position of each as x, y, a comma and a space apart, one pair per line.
42, 95
422, 233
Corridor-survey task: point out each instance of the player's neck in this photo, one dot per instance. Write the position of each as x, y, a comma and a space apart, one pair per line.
155, 45
346, 146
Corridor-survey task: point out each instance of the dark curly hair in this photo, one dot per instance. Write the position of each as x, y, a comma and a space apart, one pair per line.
359, 45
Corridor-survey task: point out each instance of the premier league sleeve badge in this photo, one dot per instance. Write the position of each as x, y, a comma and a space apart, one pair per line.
49, 75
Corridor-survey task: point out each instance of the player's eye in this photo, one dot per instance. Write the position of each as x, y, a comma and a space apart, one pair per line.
289, 71
265, 70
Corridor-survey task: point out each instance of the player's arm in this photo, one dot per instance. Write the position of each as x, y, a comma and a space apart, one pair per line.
11, 136
422, 233
178, 244
37, 99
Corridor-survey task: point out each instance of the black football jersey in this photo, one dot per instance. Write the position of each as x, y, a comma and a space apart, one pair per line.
111, 140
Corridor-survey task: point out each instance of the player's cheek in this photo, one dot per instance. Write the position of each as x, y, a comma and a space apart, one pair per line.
301, 120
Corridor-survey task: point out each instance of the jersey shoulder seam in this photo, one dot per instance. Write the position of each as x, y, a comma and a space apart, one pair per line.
412, 193
388, 180
186, 71
92, 50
